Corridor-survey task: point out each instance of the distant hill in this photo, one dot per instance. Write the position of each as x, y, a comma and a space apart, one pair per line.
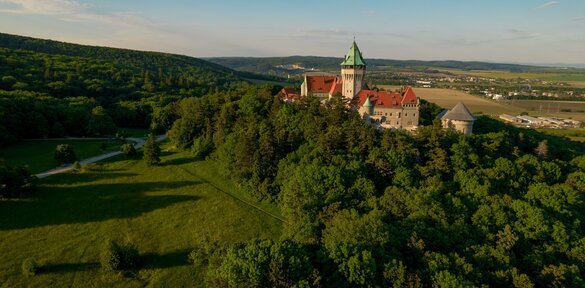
278, 64
124, 65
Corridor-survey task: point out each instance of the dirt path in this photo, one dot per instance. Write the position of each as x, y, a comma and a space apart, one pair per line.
61, 169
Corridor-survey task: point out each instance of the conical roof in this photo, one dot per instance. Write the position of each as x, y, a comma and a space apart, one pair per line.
353, 57
367, 103
459, 112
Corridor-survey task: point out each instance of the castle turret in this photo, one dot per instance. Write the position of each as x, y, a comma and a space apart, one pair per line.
353, 72
459, 118
367, 108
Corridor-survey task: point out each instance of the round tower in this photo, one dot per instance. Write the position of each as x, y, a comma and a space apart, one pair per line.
353, 72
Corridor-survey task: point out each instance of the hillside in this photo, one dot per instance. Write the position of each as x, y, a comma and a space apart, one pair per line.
55, 89
270, 64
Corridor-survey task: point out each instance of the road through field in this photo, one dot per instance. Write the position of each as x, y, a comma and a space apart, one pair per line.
139, 142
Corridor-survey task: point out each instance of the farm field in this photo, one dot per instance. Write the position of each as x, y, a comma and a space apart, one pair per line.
553, 75
575, 134
573, 109
447, 98
39, 154
164, 210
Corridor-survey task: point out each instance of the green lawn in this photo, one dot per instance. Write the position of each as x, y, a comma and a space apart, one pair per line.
164, 210
39, 154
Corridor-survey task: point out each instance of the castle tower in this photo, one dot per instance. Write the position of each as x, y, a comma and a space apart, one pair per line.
459, 118
353, 72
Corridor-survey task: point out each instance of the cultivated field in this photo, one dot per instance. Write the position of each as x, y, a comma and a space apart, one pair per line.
552, 75
447, 98
164, 210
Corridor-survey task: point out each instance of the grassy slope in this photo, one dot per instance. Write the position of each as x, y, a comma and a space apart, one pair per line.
164, 210
39, 154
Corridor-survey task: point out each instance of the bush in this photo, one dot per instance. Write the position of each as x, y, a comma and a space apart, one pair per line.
128, 149
118, 257
29, 267
15, 181
76, 166
64, 153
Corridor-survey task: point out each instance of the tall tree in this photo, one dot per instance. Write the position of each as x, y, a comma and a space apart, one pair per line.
151, 151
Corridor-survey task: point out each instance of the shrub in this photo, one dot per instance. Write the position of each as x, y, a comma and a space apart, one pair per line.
76, 166
29, 267
128, 149
118, 257
15, 181
64, 153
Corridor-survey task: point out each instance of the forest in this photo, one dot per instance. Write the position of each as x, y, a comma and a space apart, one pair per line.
53, 89
370, 208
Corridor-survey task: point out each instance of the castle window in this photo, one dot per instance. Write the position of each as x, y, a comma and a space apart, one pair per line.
390, 114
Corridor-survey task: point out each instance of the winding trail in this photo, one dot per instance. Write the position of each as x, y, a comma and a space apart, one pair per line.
68, 167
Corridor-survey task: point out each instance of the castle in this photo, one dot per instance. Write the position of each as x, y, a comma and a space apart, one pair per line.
386, 109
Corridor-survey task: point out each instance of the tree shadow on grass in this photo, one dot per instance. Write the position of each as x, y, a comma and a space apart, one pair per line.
178, 161
160, 261
90, 203
69, 267
86, 176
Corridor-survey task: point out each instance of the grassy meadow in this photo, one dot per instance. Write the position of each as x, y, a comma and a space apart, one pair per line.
39, 155
164, 210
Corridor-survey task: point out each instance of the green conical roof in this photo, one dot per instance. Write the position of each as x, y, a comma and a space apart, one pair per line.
367, 103
353, 57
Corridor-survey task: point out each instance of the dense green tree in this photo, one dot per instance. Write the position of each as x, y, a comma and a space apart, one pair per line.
15, 181
100, 123
64, 153
151, 151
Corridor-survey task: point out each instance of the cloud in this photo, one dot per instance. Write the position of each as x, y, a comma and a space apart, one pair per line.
44, 7
577, 19
548, 5
516, 34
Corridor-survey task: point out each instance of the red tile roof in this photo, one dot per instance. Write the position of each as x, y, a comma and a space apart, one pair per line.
320, 84
289, 94
408, 96
387, 99
337, 87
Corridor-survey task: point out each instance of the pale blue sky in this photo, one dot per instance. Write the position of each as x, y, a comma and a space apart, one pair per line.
528, 31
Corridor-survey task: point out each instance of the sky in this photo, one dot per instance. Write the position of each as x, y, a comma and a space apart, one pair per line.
511, 31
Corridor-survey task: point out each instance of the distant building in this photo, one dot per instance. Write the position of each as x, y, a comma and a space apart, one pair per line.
386, 109
459, 118
530, 119
510, 118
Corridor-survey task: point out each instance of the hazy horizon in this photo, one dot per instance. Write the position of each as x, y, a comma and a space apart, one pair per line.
522, 32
